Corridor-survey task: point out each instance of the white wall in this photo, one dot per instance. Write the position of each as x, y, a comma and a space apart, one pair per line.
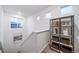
29, 45
0, 20
39, 42
76, 28
1, 26
36, 43
42, 41
43, 23
9, 45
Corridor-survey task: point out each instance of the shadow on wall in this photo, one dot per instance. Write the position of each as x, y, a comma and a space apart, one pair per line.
1, 49
76, 38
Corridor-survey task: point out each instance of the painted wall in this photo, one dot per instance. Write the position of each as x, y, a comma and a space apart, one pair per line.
9, 44
38, 42
1, 17
43, 23
35, 43
29, 45
1, 26
76, 28
0, 20
75, 12
42, 41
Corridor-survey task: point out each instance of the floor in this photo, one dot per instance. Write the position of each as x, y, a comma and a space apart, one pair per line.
48, 50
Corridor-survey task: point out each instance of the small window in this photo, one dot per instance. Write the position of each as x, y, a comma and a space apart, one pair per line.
66, 10
13, 25
16, 22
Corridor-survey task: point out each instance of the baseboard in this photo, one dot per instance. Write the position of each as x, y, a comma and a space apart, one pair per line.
43, 48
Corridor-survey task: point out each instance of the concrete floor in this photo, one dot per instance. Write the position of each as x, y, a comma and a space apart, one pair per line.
48, 50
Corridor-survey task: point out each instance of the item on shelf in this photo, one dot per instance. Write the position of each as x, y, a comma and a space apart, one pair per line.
56, 30
69, 31
65, 32
56, 23
55, 45
67, 22
55, 38
62, 22
66, 49
66, 40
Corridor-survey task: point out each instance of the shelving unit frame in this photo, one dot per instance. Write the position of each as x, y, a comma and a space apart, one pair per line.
56, 32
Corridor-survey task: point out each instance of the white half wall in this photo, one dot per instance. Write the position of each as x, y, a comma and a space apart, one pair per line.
42, 41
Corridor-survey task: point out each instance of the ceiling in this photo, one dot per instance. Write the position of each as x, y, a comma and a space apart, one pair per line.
26, 10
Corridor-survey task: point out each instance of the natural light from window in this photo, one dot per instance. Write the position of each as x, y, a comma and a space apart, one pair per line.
66, 10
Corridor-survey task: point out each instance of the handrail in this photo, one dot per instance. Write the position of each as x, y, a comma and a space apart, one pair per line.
32, 34
38, 32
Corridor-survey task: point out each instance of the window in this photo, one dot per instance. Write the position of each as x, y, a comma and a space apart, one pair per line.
66, 10
16, 22
13, 25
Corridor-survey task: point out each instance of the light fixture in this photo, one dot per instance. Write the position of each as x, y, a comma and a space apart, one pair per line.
38, 18
48, 15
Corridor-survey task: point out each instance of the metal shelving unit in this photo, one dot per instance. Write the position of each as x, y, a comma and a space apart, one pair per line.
62, 34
